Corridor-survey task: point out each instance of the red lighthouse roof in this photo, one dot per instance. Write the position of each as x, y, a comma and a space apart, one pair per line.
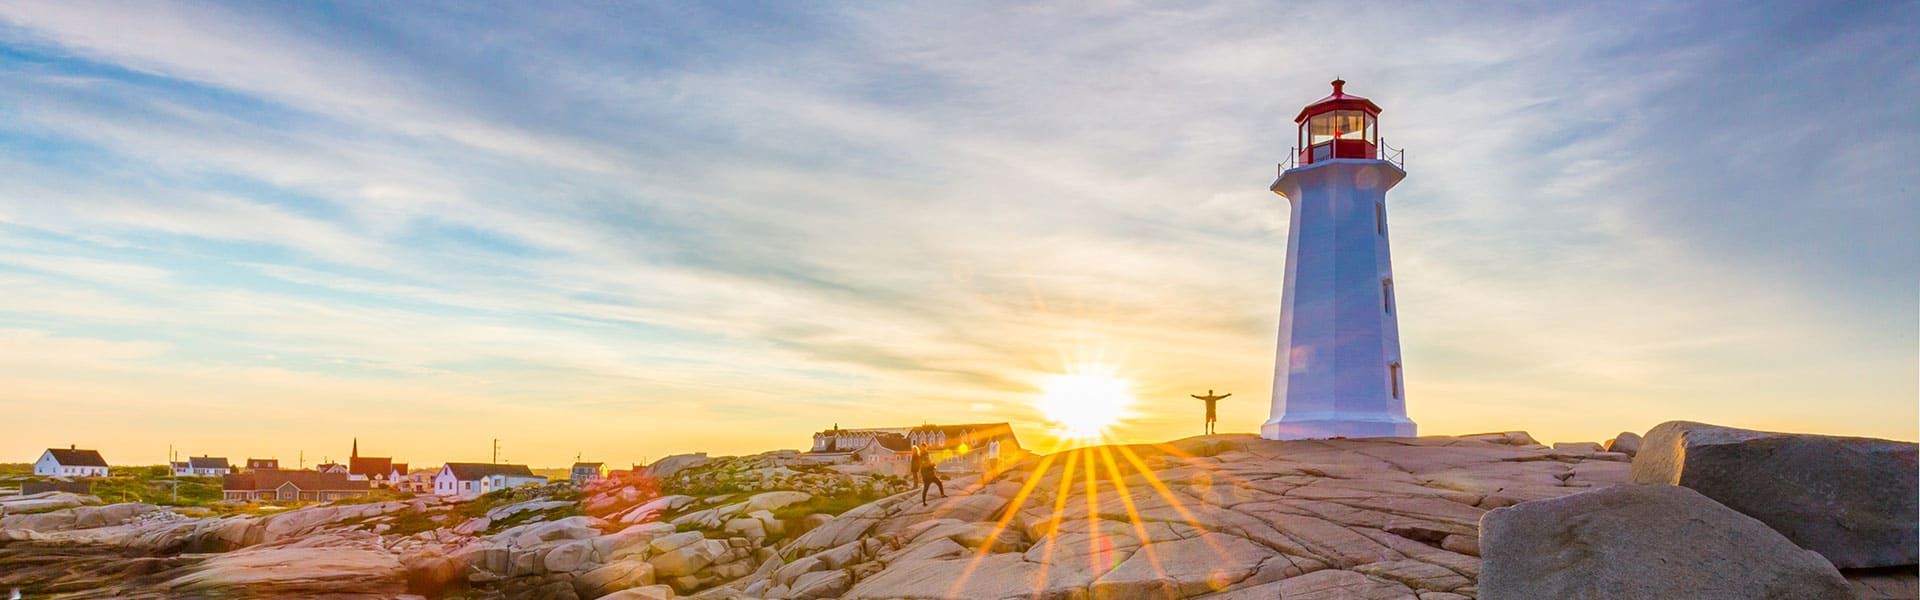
1339, 100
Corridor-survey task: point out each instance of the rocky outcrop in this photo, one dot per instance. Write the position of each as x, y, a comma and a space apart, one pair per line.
334, 565
1853, 500
1627, 443
1216, 517
1210, 517
669, 466
42, 502
1644, 541
76, 517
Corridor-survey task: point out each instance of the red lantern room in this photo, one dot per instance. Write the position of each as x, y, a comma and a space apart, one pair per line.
1338, 126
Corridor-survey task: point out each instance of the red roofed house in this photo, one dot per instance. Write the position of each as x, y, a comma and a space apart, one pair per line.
397, 478
70, 462
368, 468
291, 486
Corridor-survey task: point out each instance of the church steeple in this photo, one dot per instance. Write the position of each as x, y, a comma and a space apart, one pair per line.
356, 447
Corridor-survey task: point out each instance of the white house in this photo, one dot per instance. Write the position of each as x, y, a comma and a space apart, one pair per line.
70, 462
202, 466
473, 479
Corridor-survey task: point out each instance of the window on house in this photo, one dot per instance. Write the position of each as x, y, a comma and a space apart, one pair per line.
1393, 378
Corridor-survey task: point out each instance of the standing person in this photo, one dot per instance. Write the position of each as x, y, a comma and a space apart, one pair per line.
929, 477
1210, 399
913, 468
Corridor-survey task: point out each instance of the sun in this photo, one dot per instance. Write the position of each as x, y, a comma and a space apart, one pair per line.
1082, 405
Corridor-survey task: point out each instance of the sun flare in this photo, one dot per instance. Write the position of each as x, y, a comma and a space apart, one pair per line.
1083, 405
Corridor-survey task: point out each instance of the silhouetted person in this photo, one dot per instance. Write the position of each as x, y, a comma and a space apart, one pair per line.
926, 474
913, 468
1210, 399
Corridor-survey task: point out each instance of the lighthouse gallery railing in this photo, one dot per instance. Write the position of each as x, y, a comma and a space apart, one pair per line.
1396, 156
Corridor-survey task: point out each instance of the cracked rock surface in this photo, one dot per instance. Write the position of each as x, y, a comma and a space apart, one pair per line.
1209, 517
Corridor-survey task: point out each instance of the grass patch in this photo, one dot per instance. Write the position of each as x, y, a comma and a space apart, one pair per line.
409, 522
156, 485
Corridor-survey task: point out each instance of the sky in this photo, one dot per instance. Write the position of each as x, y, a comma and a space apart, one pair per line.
621, 231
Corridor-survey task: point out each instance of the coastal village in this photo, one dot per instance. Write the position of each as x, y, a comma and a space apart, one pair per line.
953, 450
1221, 517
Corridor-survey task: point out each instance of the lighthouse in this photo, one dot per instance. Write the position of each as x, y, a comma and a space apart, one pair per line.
1338, 371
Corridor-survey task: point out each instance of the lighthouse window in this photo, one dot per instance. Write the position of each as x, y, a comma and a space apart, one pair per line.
1350, 124
1341, 124
1386, 295
1393, 377
1380, 218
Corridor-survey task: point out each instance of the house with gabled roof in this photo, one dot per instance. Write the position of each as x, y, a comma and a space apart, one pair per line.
291, 486
584, 473
972, 447
397, 477
418, 481
968, 448
202, 466
473, 479
377, 469
70, 462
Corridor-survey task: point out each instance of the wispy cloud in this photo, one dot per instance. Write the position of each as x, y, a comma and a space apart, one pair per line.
657, 229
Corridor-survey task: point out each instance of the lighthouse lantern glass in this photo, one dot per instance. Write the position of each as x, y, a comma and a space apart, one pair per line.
1354, 129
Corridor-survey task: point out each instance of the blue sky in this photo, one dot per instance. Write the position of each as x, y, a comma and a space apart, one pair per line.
262, 229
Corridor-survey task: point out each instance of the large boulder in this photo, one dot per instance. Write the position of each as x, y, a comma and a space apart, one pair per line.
1644, 541
75, 516
577, 555
535, 534
775, 500
327, 565
668, 466
1853, 500
687, 559
652, 509
1627, 443
613, 577
43, 501
650, 592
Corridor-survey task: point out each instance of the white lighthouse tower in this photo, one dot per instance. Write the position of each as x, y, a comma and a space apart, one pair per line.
1338, 371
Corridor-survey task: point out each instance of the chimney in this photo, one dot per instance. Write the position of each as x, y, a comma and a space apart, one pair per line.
73, 446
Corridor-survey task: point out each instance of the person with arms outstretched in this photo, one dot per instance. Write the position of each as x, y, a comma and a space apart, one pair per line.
1210, 399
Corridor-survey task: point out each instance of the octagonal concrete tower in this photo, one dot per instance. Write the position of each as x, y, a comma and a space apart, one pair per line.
1338, 370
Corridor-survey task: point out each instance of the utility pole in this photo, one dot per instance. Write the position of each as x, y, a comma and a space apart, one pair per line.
496, 451
303, 459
